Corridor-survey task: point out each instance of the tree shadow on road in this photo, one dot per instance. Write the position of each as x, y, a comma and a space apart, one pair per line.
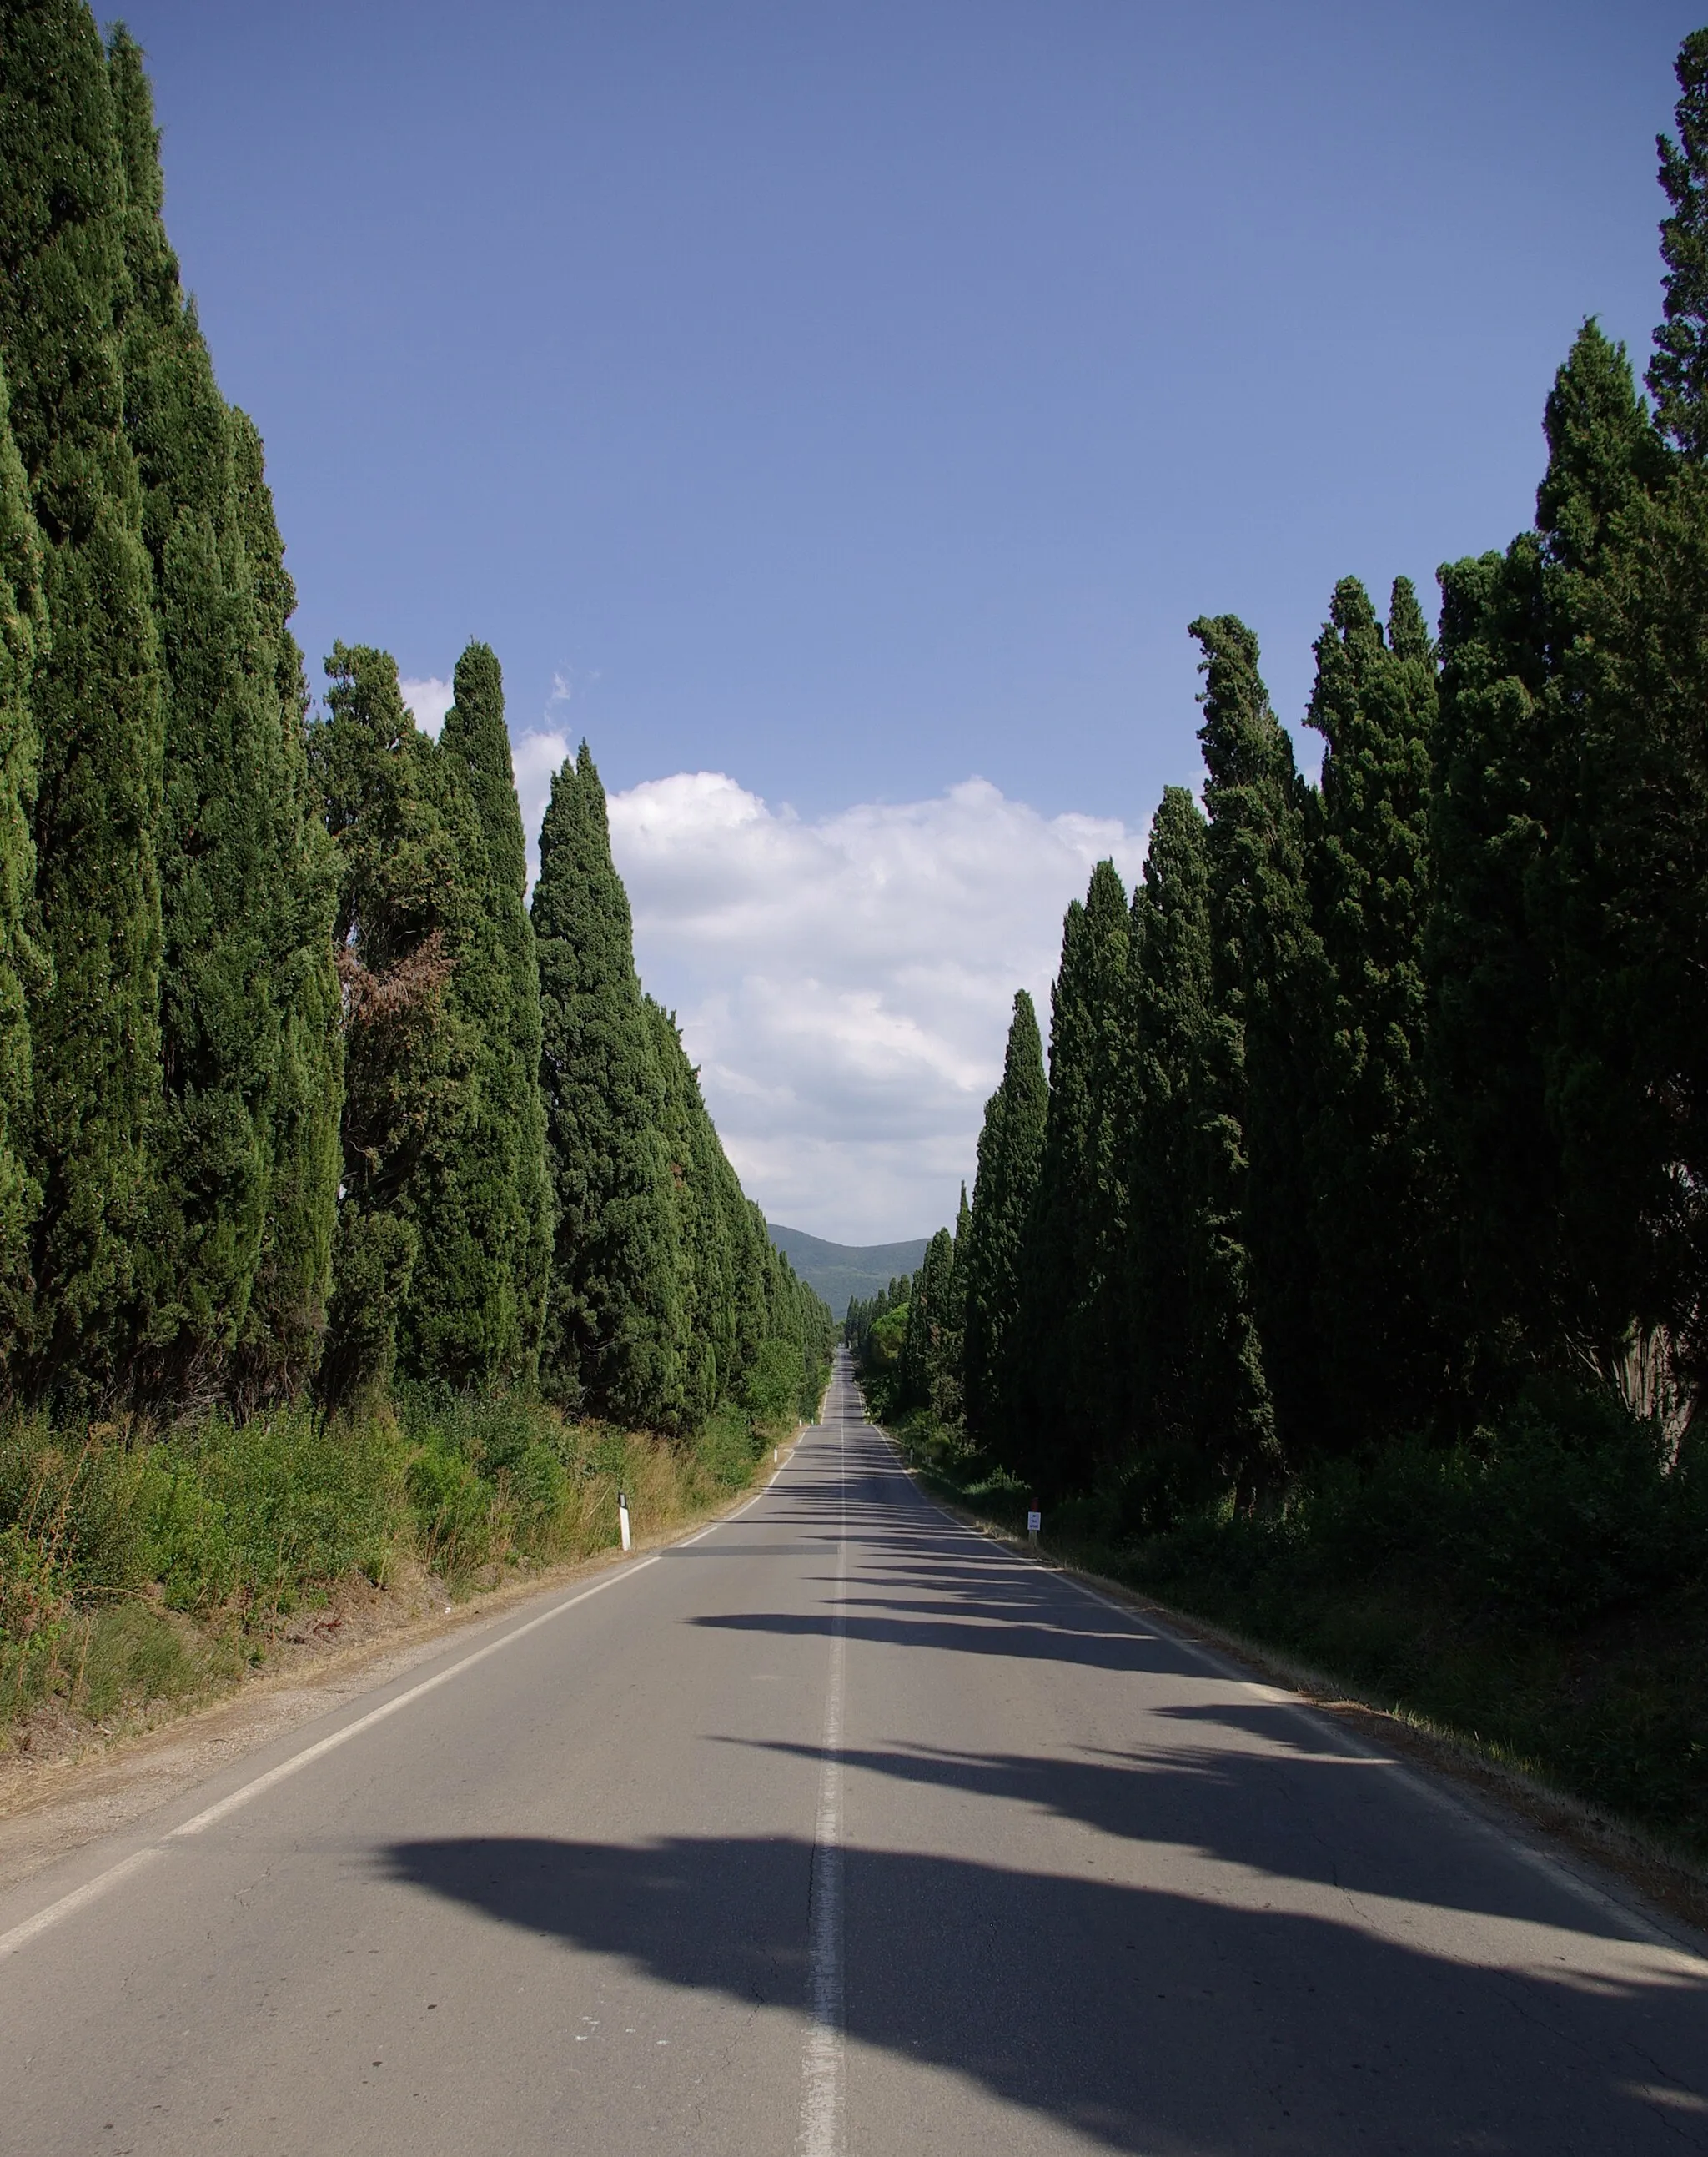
1143, 2019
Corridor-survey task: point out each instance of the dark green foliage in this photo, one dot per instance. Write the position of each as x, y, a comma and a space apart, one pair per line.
1678, 375
614, 1324
750, 1335
1491, 1015
927, 1345
271, 1041
478, 1291
95, 1026
1569, 835
1256, 904
1073, 1280
1616, 903
22, 640
401, 901
705, 1208
1011, 1153
948, 1363
281, 1346
1379, 1208
875, 1331
1186, 1398
230, 840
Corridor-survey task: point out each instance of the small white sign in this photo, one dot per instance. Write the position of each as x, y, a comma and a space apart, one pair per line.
1034, 1523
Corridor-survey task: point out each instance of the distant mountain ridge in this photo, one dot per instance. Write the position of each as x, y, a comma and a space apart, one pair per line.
841, 1270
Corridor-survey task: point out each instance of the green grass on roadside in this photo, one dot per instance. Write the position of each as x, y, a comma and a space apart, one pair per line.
138, 1566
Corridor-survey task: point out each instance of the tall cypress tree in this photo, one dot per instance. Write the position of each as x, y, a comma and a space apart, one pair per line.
95, 1028
1378, 1209
1617, 903
1550, 887
1011, 1153
229, 800
701, 1190
477, 1293
1491, 1016
1193, 1346
613, 1333
282, 1338
949, 1366
1678, 375
400, 905
930, 1314
23, 637
1075, 1289
1254, 1282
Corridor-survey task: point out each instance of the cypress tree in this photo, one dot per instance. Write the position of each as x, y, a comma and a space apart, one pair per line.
948, 1379
925, 1350
1491, 1018
1254, 1283
95, 1028
231, 796
281, 1342
1678, 375
1378, 1209
612, 1323
1076, 1246
399, 906
700, 1176
1193, 1347
1011, 1152
23, 637
1550, 889
1617, 901
477, 1293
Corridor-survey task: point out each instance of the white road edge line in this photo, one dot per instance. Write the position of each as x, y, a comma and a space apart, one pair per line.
32, 1927
1441, 1796
821, 2055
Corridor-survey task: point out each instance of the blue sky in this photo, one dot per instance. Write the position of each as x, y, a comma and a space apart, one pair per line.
852, 400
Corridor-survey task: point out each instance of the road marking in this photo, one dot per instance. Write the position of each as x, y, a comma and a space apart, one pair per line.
29, 1929
821, 2057
21, 1935
1440, 1795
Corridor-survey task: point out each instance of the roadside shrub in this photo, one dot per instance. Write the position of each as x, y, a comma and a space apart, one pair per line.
726, 1449
267, 1512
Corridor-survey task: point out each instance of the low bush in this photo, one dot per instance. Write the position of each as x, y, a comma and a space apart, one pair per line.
138, 1565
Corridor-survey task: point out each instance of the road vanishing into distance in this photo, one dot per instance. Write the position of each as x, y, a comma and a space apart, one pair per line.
835, 1828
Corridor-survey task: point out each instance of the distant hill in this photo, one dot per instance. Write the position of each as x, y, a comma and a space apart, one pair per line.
840, 1270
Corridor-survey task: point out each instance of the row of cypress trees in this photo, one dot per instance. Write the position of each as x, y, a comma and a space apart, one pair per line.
1382, 1100
295, 1093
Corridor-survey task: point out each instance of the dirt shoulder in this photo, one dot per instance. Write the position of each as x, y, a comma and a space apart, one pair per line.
64, 1785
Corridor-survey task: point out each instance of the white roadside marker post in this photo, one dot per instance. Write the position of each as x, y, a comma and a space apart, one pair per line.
622, 1518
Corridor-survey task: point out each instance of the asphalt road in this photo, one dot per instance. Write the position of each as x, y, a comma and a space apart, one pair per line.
834, 1829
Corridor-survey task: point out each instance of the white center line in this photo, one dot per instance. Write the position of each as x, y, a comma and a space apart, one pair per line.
821, 2059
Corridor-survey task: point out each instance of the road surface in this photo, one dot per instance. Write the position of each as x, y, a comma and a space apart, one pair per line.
835, 1829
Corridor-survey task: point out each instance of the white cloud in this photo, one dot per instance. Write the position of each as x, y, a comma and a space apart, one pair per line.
537, 758
846, 984
429, 701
